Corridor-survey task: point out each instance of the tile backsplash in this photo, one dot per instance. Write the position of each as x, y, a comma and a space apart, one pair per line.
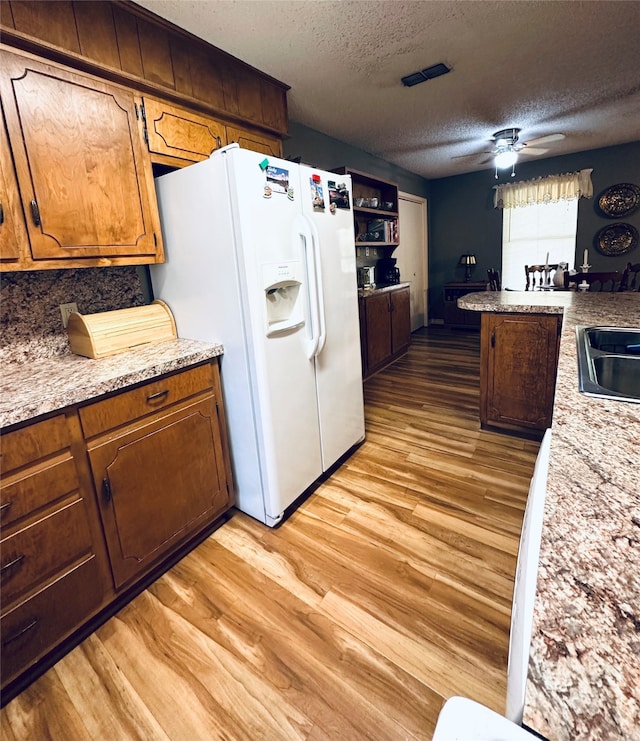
30, 321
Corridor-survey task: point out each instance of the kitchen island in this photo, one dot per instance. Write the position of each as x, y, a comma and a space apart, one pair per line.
584, 666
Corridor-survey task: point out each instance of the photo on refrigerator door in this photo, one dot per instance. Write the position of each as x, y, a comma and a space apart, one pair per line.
338, 194
317, 195
277, 179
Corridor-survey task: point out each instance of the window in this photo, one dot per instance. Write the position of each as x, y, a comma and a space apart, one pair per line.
535, 234
539, 222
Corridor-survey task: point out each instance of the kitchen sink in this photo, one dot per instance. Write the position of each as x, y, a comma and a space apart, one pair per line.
609, 362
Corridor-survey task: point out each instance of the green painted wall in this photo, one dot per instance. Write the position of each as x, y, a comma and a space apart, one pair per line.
322, 151
460, 209
462, 217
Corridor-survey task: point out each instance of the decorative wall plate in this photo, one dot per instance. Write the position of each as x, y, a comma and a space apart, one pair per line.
619, 200
616, 239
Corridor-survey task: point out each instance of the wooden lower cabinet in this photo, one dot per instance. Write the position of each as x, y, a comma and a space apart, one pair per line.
518, 363
96, 497
159, 478
53, 566
385, 327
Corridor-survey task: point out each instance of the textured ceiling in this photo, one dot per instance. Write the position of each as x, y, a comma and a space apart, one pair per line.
545, 67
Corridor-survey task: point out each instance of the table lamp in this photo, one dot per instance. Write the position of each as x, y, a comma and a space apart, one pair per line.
467, 260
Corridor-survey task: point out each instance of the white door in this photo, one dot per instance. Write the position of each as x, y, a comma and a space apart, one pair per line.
338, 364
412, 254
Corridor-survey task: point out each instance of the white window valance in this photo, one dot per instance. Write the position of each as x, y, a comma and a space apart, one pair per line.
549, 189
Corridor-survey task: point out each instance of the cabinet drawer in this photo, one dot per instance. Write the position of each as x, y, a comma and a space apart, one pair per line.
130, 405
33, 627
38, 487
33, 442
32, 554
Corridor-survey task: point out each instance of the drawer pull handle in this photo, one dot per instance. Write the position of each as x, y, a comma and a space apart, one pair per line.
35, 212
159, 395
4, 507
1, 214
106, 488
20, 633
16, 561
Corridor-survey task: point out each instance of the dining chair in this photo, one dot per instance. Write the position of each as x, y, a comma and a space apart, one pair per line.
539, 276
631, 280
494, 280
611, 281
462, 719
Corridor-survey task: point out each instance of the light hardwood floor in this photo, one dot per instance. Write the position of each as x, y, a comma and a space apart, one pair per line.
386, 592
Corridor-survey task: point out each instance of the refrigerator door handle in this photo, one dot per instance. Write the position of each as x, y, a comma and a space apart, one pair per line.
315, 242
306, 243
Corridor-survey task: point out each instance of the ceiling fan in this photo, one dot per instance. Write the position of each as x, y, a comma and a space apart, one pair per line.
507, 147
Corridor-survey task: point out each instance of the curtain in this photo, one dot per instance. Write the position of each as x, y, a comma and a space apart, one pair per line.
550, 189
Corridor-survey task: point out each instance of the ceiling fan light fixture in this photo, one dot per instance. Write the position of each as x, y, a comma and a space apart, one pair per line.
506, 157
429, 73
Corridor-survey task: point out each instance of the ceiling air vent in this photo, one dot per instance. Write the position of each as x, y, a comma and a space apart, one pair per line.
415, 78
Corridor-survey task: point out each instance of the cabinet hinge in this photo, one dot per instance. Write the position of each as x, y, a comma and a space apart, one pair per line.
141, 115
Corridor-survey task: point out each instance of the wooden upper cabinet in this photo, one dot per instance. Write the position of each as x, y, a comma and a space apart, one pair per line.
84, 175
119, 39
13, 234
257, 142
177, 132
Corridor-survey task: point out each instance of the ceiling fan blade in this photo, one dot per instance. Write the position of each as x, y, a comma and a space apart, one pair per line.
475, 154
546, 139
535, 151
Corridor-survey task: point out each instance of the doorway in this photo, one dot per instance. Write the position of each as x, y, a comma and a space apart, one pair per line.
412, 254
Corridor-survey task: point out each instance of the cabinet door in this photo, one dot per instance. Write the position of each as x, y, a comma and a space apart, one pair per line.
179, 133
256, 142
518, 369
378, 330
85, 180
159, 483
400, 319
13, 234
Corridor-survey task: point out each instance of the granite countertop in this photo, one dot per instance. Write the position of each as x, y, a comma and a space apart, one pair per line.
43, 385
584, 667
381, 289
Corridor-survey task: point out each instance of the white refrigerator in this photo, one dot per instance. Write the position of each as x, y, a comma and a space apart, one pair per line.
260, 257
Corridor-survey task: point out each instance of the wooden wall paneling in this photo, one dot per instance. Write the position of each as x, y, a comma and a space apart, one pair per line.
181, 56
249, 95
128, 42
97, 32
155, 50
51, 21
206, 77
274, 106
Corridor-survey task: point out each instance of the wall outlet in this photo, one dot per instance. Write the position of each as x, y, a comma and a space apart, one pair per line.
65, 310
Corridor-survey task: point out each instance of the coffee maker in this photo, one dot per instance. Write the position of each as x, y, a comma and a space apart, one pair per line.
387, 274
